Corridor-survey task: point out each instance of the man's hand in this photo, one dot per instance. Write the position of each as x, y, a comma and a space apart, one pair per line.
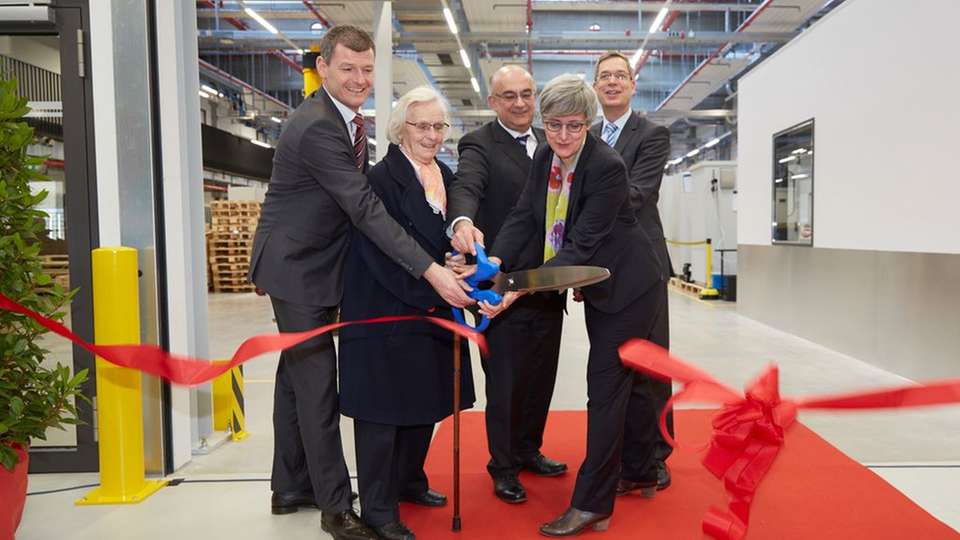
465, 235
445, 282
492, 311
577, 295
459, 265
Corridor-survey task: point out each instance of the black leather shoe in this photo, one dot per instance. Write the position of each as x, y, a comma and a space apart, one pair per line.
395, 531
646, 488
663, 476
346, 526
508, 489
541, 465
573, 521
288, 503
426, 498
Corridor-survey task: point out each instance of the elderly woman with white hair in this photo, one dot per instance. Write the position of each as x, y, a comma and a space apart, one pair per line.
575, 210
395, 379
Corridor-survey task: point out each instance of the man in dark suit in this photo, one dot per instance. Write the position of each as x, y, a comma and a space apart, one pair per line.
317, 190
525, 342
645, 148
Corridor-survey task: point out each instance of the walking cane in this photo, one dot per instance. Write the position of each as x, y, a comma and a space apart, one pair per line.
456, 433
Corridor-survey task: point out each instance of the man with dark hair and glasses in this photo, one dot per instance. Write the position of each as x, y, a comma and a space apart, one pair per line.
525, 342
645, 148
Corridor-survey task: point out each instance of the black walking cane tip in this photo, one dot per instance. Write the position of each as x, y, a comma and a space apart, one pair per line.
456, 524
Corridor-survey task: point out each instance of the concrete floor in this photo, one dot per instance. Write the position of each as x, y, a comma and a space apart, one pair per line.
227, 491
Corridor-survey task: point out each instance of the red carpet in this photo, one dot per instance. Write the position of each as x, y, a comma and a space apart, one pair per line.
812, 492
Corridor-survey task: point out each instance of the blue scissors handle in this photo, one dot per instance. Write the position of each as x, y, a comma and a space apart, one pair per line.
486, 270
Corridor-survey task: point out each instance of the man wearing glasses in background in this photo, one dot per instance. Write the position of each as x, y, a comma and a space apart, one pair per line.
525, 341
645, 148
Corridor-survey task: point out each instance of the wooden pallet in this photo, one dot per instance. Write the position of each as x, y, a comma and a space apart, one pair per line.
229, 241
693, 288
58, 268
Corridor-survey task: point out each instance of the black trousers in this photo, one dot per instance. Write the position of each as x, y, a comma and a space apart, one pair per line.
308, 453
617, 399
521, 370
653, 393
389, 464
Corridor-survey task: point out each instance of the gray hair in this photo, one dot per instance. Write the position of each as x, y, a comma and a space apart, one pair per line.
420, 94
568, 94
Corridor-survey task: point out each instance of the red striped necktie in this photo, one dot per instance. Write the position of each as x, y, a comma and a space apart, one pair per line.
359, 142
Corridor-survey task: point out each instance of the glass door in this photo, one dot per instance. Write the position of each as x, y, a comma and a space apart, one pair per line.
47, 62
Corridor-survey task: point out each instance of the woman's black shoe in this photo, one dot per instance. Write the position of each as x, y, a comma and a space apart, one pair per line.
426, 498
573, 521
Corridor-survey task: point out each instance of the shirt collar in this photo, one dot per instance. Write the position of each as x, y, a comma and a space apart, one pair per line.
346, 112
619, 122
516, 134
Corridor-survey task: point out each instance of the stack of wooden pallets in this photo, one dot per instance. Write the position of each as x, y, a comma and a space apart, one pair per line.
228, 244
58, 267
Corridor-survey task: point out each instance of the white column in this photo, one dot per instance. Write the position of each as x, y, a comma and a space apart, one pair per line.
182, 193
383, 68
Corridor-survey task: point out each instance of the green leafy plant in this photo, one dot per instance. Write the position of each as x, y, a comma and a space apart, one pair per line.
33, 397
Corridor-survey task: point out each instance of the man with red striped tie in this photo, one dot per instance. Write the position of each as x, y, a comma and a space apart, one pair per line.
317, 191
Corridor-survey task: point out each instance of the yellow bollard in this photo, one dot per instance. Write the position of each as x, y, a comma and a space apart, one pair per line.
228, 411
708, 292
116, 321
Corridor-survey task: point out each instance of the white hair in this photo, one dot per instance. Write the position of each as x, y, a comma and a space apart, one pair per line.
566, 95
420, 94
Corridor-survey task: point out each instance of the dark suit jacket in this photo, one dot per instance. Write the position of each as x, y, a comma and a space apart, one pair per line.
601, 228
491, 172
315, 193
399, 373
645, 148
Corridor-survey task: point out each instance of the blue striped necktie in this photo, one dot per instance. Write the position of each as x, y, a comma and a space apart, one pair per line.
609, 131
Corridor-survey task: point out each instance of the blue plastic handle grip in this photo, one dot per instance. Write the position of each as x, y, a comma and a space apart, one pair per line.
486, 270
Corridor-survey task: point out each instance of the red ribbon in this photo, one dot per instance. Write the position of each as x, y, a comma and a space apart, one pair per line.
191, 371
749, 430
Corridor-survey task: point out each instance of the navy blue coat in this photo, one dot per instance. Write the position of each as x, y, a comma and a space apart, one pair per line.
398, 373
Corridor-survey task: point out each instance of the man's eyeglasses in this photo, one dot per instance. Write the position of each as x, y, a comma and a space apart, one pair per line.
424, 127
526, 95
620, 76
572, 127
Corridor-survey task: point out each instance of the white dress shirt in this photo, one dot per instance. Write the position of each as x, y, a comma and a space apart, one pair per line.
347, 113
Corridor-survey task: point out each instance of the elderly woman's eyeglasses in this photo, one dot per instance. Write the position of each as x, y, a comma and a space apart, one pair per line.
424, 127
572, 127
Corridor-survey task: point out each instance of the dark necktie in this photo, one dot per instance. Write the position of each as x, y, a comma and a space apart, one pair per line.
359, 142
523, 140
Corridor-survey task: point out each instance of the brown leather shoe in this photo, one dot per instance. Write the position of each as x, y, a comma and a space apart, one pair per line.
646, 489
346, 526
573, 521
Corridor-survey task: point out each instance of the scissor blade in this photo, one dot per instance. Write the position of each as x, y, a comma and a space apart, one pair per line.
556, 278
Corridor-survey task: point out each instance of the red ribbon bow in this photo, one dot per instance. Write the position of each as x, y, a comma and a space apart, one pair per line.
749, 430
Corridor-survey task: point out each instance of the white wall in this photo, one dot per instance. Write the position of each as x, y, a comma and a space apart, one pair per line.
882, 89
693, 213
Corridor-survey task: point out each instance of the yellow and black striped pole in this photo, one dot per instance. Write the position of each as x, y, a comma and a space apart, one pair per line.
228, 410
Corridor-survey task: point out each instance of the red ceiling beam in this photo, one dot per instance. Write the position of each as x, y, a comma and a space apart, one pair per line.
316, 13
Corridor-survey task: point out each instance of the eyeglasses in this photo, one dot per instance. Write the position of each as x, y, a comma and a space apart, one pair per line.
620, 76
526, 95
572, 127
424, 127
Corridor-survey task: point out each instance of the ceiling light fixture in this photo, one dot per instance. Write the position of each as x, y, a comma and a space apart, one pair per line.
263, 22
693, 152
208, 89
260, 143
277, 120
712, 143
203, 94
476, 85
787, 159
465, 58
448, 15
655, 27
